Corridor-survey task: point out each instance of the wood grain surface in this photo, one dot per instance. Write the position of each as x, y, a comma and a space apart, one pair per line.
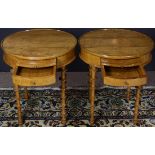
39, 44
116, 43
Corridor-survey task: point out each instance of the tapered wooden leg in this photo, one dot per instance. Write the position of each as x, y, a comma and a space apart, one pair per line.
20, 120
63, 96
128, 93
26, 94
92, 72
138, 95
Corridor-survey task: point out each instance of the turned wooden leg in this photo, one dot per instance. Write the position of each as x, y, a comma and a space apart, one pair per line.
26, 94
138, 95
128, 93
92, 71
89, 84
63, 96
20, 120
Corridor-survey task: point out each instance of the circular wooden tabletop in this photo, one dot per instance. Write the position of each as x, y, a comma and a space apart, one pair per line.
116, 43
39, 44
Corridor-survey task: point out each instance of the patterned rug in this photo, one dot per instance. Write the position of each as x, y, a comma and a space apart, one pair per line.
111, 107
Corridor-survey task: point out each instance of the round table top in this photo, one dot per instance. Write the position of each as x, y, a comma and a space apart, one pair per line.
116, 43
39, 44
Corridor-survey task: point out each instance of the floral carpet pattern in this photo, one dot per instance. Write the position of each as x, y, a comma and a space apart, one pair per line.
111, 107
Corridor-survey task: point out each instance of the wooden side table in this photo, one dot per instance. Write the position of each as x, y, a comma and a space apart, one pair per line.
34, 56
114, 48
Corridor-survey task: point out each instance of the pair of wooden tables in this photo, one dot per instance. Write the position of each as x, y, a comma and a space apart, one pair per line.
36, 48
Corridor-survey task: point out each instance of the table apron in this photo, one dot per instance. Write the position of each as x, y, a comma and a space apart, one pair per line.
61, 61
97, 61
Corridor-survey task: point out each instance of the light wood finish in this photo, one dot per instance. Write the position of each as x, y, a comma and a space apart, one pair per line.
20, 119
26, 94
39, 44
116, 43
35, 76
123, 52
126, 76
138, 94
95, 60
61, 61
129, 47
63, 95
128, 93
92, 71
34, 56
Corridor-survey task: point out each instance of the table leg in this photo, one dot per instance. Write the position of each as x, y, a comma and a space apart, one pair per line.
128, 93
63, 96
89, 83
92, 73
26, 94
138, 95
20, 120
